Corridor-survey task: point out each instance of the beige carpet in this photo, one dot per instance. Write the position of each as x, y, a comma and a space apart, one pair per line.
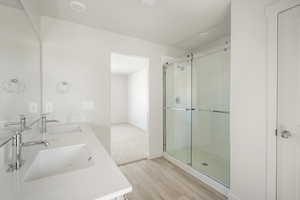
128, 143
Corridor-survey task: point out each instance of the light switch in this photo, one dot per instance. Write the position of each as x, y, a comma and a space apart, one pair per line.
49, 107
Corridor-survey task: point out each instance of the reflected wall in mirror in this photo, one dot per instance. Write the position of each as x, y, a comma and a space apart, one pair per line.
20, 91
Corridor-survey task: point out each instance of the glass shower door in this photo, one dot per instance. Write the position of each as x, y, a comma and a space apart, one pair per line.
210, 119
178, 110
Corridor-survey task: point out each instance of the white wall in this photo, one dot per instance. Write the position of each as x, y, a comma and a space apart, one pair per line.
119, 99
138, 99
248, 99
20, 59
81, 55
212, 46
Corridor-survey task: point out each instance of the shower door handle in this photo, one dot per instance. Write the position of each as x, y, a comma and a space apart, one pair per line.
179, 109
190, 109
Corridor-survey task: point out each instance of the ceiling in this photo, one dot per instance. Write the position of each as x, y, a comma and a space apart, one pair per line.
125, 64
178, 23
12, 3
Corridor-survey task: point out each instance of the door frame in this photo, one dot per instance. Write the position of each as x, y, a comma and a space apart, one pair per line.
272, 13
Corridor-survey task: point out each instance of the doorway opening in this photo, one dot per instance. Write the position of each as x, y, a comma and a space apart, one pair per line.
129, 108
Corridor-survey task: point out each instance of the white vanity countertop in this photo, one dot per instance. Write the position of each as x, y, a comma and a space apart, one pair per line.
101, 181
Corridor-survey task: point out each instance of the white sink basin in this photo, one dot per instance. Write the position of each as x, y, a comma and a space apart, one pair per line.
59, 161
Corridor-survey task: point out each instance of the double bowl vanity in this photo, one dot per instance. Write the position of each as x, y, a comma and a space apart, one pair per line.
74, 166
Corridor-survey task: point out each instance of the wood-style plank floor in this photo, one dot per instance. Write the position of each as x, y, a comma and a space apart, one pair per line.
158, 179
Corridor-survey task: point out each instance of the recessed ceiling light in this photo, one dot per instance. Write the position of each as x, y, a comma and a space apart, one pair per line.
150, 3
78, 6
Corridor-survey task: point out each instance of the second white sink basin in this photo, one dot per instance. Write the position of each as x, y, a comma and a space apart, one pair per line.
58, 161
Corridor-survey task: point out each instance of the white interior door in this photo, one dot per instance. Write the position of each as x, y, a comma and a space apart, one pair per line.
288, 142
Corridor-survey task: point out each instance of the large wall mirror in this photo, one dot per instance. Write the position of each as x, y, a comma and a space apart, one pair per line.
20, 72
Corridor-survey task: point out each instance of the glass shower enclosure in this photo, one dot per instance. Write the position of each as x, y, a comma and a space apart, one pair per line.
196, 113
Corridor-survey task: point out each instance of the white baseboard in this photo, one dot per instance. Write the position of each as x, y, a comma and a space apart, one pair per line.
212, 183
155, 156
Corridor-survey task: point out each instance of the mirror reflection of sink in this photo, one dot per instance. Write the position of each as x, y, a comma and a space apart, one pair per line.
57, 161
63, 128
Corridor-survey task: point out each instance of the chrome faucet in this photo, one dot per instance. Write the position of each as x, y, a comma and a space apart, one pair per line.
17, 142
45, 121
21, 123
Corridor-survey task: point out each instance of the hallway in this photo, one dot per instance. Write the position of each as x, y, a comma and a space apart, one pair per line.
128, 143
